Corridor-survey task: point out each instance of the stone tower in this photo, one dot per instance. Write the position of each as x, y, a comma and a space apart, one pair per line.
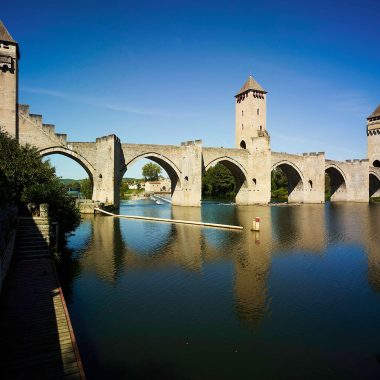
250, 115
373, 137
9, 56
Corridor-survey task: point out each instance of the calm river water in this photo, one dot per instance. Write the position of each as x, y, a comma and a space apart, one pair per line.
299, 300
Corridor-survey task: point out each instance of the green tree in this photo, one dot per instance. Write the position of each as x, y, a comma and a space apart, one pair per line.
75, 185
25, 178
151, 171
124, 188
327, 187
218, 181
86, 188
279, 184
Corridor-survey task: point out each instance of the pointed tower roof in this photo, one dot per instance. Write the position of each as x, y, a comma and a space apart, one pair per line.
251, 84
375, 113
4, 34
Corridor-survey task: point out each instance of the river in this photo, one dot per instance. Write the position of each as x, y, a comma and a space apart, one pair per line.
300, 299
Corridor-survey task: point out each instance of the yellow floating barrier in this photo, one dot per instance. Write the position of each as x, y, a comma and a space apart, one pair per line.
149, 218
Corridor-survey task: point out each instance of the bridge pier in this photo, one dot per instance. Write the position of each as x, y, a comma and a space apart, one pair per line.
349, 180
188, 189
314, 181
107, 176
257, 188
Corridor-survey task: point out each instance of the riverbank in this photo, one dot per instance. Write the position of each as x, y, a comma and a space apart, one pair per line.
37, 339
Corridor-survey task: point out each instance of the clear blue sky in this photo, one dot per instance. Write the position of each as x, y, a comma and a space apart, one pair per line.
166, 71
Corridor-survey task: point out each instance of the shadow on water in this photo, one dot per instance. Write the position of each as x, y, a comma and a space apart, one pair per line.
207, 303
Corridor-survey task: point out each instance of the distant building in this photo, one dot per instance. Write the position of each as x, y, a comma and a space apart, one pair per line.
161, 186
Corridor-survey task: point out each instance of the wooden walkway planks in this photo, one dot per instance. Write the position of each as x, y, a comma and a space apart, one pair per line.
36, 337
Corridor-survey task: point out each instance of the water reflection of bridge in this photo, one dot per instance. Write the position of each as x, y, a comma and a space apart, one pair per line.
117, 246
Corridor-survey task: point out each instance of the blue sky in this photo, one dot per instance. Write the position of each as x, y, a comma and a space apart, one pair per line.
166, 71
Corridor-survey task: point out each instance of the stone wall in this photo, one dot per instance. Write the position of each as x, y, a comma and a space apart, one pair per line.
8, 221
349, 180
373, 141
9, 88
306, 175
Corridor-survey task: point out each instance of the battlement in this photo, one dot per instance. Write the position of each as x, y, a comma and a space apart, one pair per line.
62, 136
313, 154
108, 138
34, 131
191, 142
50, 128
357, 161
24, 108
36, 118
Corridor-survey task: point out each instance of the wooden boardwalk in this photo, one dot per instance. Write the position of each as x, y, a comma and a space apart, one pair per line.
36, 337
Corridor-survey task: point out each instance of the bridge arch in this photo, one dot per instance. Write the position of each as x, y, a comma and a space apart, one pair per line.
295, 179
71, 154
338, 183
374, 183
236, 169
64, 151
168, 165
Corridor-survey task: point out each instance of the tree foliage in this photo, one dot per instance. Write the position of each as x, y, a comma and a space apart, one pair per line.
279, 184
85, 186
25, 178
151, 171
327, 187
218, 181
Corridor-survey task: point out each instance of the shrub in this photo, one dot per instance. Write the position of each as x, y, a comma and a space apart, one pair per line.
25, 178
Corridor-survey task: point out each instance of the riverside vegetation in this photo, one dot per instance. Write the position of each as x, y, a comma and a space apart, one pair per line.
25, 178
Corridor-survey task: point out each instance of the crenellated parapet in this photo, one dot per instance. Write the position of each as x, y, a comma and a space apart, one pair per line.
33, 131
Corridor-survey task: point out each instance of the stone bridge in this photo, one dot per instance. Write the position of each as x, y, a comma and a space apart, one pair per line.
107, 160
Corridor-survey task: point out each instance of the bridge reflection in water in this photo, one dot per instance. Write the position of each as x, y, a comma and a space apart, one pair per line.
201, 281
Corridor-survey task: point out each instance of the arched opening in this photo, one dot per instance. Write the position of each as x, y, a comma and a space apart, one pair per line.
286, 183
243, 144
374, 186
149, 174
73, 173
376, 164
335, 185
224, 179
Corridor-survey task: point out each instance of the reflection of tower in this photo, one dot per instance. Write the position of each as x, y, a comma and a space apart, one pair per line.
373, 137
372, 243
250, 116
253, 259
105, 253
343, 224
301, 228
9, 56
187, 245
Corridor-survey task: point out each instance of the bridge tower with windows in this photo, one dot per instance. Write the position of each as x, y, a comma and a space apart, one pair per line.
250, 120
373, 137
9, 56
